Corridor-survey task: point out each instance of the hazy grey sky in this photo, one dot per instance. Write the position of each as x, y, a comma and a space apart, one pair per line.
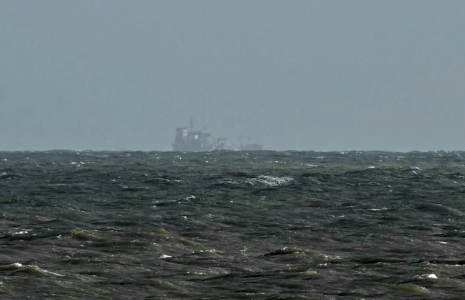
305, 75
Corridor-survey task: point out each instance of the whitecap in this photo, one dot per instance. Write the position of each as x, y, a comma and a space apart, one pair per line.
377, 209
12, 266
426, 276
43, 271
270, 180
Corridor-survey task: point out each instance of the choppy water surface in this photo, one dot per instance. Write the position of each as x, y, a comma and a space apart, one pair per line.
232, 225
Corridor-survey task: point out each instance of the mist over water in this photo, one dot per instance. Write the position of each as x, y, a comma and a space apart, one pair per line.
216, 225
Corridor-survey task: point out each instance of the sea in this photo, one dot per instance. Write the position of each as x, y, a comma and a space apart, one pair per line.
232, 225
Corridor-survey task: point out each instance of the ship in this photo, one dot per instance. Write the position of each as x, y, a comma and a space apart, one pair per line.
190, 140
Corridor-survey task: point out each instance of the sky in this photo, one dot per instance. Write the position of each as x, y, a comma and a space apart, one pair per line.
291, 75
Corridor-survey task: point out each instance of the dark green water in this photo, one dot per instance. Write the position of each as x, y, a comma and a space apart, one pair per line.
232, 225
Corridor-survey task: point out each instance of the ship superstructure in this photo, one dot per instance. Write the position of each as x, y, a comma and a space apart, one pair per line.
190, 140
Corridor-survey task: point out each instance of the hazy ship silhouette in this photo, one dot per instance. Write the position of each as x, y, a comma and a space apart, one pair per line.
190, 140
